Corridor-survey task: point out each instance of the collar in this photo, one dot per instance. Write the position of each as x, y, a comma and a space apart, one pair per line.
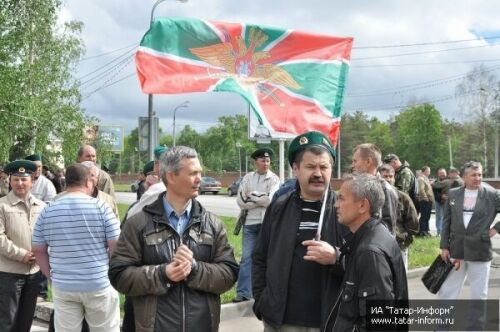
353, 241
14, 200
266, 175
169, 209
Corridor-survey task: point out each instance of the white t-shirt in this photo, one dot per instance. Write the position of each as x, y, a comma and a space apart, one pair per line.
470, 198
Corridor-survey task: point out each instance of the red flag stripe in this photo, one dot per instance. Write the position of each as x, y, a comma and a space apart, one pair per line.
162, 75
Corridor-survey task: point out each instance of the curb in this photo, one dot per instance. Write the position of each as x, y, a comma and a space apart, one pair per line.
228, 311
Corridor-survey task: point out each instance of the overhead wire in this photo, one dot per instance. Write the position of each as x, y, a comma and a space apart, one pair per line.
118, 58
103, 74
422, 52
110, 52
414, 86
426, 44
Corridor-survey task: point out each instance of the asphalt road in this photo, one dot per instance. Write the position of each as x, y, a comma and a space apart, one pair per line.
221, 204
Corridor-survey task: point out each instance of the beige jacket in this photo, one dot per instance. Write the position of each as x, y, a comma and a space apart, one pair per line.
16, 227
425, 189
105, 183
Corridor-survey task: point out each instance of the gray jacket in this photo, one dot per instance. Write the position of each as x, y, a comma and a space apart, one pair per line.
472, 243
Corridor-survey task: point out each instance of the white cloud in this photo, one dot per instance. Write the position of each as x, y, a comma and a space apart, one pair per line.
112, 24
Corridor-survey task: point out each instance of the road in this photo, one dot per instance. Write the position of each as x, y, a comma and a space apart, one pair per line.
221, 205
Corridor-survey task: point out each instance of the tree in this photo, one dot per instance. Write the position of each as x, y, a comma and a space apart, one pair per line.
354, 130
477, 95
39, 97
419, 137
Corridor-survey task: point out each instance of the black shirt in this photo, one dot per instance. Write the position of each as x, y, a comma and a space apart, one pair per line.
304, 285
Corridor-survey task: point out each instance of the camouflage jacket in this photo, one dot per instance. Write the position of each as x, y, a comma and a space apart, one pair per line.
407, 222
404, 178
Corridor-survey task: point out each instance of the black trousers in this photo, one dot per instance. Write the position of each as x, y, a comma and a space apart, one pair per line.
128, 317
18, 301
425, 215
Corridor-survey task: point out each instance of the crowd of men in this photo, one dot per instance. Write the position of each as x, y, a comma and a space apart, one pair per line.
311, 258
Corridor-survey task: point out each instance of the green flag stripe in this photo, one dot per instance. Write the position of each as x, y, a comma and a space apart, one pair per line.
177, 38
272, 34
309, 77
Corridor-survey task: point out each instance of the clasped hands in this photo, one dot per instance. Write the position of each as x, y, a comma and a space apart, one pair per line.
180, 266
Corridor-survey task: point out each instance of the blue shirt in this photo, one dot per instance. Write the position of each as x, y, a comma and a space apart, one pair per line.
76, 229
179, 223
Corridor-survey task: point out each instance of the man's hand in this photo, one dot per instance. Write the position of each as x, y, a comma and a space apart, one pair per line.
183, 254
493, 232
457, 264
29, 258
177, 272
180, 267
445, 255
320, 252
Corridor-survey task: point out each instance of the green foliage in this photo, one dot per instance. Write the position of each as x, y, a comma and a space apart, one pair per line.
39, 97
419, 137
423, 251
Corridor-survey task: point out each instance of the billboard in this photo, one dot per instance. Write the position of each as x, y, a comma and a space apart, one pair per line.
112, 136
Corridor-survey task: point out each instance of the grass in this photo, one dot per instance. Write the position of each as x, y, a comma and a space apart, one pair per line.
423, 251
122, 209
123, 187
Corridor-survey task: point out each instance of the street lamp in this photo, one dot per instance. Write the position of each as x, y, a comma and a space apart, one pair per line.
151, 114
183, 105
238, 146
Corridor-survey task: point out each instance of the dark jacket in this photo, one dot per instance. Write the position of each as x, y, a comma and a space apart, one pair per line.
137, 268
272, 258
472, 243
390, 208
374, 271
408, 224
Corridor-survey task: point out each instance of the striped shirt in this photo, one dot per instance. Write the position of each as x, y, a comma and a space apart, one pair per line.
76, 229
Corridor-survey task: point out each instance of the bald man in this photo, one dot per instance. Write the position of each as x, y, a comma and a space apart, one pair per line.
104, 182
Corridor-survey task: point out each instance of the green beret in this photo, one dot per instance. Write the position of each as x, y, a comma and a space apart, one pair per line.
262, 153
34, 157
309, 139
159, 150
390, 157
148, 167
21, 168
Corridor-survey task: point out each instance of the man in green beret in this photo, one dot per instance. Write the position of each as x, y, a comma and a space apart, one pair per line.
19, 273
254, 195
43, 188
104, 183
296, 275
142, 184
155, 186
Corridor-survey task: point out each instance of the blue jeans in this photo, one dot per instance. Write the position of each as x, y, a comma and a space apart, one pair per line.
439, 217
244, 288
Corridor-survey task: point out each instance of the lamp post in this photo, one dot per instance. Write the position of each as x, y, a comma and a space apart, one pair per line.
151, 114
238, 146
183, 105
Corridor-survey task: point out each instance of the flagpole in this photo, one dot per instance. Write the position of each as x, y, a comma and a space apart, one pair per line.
322, 214
151, 113
282, 160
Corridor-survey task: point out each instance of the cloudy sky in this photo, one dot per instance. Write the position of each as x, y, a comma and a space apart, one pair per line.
403, 51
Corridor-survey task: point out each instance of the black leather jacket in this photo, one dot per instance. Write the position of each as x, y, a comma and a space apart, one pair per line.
374, 271
272, 258
137, 268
